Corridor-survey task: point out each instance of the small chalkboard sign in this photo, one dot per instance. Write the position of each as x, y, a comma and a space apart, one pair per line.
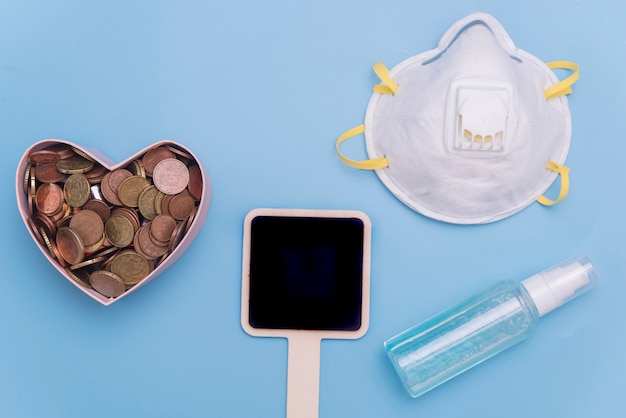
305, 277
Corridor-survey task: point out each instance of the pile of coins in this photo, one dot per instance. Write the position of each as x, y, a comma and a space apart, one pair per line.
110, 229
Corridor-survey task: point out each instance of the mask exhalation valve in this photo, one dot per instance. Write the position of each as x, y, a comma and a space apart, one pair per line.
479, 110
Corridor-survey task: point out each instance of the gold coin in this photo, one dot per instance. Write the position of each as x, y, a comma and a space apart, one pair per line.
87, 263
76, 164
77, 190
27, 177
70, 245
119, 231
107, 283
131, 266
136, 167
82, 153
146, 202
130, 189
79, 277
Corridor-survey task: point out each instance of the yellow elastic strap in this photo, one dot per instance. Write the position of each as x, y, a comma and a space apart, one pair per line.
564, 172
373, 164
564, 86
390, 86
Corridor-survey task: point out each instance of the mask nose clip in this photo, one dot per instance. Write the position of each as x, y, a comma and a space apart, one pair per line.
479, 110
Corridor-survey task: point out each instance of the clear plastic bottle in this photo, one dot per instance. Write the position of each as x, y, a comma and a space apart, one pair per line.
480, 327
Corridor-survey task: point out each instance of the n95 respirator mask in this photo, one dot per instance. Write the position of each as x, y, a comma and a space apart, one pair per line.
472, 131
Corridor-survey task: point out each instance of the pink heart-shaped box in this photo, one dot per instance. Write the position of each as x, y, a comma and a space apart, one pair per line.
25, 205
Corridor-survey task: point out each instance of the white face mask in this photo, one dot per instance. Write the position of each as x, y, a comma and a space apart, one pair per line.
472, 131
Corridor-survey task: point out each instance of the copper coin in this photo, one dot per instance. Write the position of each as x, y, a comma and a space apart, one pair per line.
146, 246
155, 156
195, 182
96, 174
49, 199
162, 227
171, 176
43, 156
98, 206
165, 203
107, 192
107, 283
113, 181
177, 235
48, 173
42, 221
70, 245
89, 226
181, 205
179, 152
63, 150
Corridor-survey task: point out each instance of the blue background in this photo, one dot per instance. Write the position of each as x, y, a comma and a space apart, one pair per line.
259, 91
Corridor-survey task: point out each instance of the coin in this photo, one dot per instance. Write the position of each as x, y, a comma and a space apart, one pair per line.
43, 156
96, 174
49, 198
179, 152
45, 222
131, 266
111, 183
146, 246
79, 277
87, 263
136, 167
70, 245
195, 182
82, 153
146, 202
89, 226
63, 150
181, 205
162, 228
48, 173
99, 207
76, 164
171, 176
130, 214
107, 283
119, 231
130, 189
153, 157
77, 190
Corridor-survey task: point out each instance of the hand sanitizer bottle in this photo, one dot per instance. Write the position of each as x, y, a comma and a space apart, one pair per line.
480, 327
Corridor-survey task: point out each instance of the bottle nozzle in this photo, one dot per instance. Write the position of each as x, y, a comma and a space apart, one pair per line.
557, 285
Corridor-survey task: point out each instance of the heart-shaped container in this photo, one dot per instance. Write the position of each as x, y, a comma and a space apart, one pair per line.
192, 227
